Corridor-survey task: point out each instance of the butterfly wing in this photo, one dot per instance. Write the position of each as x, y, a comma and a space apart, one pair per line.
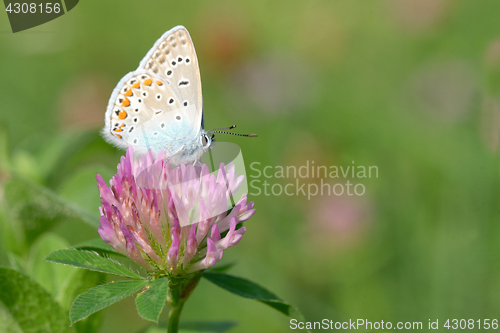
145, 112
158, 106
174, 59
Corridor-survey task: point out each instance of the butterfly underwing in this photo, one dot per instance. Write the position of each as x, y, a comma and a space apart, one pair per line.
159, 106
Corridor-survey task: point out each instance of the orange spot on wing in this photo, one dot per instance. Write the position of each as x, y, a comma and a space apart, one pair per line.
122, 125
148, 82
159, 83
128, 93
136, 85
122, 115
118, 130
126, 102
119, 136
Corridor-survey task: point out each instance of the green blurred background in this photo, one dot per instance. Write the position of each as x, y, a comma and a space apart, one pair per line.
410, 86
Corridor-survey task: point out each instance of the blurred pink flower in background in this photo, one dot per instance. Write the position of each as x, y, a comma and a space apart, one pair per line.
305, 147
492, 56
417, 16
490, 111
171, 221
225, 36
490, 123
337, 222
274, 84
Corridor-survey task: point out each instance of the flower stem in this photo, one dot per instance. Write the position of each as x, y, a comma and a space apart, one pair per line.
178, 292
174, 317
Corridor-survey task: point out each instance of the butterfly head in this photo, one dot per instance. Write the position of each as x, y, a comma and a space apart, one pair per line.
206, 141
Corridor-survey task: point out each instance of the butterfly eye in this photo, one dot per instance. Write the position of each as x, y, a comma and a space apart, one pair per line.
204, 140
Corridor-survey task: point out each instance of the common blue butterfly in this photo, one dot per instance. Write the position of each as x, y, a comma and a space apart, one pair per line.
159, 106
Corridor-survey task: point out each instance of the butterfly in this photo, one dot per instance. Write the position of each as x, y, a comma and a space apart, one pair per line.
159, 106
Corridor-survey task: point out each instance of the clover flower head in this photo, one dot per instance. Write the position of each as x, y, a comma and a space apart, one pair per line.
176, 220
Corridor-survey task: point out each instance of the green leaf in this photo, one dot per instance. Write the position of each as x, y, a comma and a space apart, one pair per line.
12, 238
101, 297
92, 261
7, 323
26, 165
151, 301
91, 324
16, 262
81, 187
48, 275
87, 151
245, 288
56, 150
39, 209
98, 246
28, 306
79, 282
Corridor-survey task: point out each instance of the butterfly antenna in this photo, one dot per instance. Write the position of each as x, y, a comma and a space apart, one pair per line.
247, 135
219, 130
222, 128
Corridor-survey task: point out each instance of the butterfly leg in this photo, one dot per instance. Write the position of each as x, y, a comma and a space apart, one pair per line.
167, 147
